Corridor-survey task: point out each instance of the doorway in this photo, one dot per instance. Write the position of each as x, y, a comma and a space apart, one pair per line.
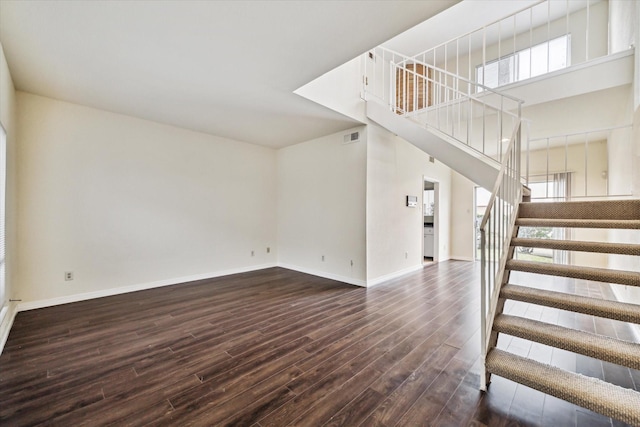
430, 213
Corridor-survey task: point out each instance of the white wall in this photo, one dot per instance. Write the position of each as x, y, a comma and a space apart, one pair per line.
123, 202
321, 207
463, 214
622, 14
620, 153
395, 169
8, 121
596, 110
339, 89
627, 293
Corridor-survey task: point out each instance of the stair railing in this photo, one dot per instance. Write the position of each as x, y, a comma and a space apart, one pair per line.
496, 230
474, 115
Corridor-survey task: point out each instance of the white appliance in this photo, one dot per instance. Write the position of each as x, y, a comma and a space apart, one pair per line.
428, 242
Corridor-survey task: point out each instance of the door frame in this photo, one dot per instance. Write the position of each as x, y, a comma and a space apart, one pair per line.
436, 216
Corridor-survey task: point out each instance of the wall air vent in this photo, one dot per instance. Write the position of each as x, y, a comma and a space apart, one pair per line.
351, 137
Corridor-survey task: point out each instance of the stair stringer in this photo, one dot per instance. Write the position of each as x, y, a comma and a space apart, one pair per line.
470, 163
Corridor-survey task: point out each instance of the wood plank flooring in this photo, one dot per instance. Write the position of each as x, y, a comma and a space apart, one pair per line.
278, 348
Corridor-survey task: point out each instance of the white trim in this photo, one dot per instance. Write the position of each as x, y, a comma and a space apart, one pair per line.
462, 258
133, 288
394, 275
7, 315
348, 280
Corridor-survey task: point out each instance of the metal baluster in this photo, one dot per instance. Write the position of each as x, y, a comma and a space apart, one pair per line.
587, 30
586, 161
548, 35
547, 176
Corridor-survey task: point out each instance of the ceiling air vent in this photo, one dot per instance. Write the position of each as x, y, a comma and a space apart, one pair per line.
351, 137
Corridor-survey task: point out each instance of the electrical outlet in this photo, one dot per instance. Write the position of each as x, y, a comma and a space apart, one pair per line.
322, 258
68, 275
268, 250
351, 263
253, 253
406, 255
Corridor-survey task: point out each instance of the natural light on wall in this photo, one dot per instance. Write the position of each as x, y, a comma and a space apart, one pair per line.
540, 59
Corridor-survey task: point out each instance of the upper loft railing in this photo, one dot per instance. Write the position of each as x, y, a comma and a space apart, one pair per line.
477, 116
596, 163
545, 37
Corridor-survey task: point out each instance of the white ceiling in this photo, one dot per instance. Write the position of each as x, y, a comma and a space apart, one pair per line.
227, 68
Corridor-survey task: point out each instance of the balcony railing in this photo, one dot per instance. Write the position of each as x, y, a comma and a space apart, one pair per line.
472, 114
539, 39
595, 163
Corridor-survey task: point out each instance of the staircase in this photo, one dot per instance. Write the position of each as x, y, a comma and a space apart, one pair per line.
477, 131
597, 395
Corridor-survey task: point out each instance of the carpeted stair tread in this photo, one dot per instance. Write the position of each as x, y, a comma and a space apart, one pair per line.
629, 224
575, 245
591, 393
603, 209
616, 310
597, 346
630, 278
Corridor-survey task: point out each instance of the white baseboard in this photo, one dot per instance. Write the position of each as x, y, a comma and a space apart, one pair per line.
348, 280
462, 258
7, 315
32, 305
394, 275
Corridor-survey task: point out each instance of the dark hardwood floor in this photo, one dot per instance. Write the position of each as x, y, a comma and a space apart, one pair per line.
277, 348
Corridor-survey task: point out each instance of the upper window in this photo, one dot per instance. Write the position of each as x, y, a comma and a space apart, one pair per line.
531, 62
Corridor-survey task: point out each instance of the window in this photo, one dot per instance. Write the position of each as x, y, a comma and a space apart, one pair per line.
531, 62
551, 188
